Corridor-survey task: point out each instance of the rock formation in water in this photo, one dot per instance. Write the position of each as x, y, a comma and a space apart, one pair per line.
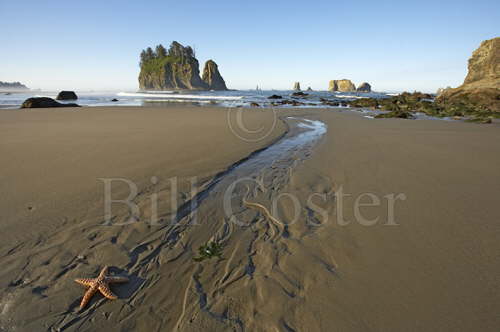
67, 95
364, 87
212, 77
44, 102
482, 84
175, 69
12, 86
309, 88
341, 86
296, 86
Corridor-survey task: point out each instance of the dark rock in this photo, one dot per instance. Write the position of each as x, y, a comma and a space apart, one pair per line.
44, 102
296, 86
291, 102
254, 104
274, 97
309, 89
299, 94
329, 102
365, 102
67, 95
364, 87
114, 99
395, 114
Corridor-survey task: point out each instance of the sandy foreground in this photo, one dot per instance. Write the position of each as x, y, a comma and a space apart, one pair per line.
301, 257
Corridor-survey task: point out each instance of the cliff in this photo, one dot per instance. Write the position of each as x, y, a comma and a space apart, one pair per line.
481, 86
212, 77
484, 65
176, 69
342, 86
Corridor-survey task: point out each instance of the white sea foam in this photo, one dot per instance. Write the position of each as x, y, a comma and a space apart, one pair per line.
169, 96
177, 101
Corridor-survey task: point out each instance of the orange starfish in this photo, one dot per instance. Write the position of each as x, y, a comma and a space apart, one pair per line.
101, 284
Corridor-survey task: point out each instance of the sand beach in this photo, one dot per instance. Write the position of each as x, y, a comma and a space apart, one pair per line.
338, 222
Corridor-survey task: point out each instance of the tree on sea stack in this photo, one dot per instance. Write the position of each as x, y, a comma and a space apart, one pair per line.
176, 69
161, 51
150, 54
144, 57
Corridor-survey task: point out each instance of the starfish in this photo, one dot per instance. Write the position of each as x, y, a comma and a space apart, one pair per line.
101, 284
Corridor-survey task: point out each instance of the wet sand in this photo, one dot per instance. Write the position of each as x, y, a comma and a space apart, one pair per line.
437, 269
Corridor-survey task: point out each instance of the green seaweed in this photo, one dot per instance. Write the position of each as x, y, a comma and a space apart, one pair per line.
209, 250
395, 114
403, 105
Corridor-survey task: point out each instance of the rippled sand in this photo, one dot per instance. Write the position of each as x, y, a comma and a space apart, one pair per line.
317, 268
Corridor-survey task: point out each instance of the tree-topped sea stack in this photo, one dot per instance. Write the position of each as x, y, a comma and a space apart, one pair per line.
177, 69
12, 86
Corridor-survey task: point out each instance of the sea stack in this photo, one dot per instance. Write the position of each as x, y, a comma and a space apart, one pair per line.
67, 95
296, 86
12, 86
364, 87
212, 77
176, 69
341, 86
482, 83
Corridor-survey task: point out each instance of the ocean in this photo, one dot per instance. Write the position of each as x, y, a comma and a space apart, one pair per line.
233, 98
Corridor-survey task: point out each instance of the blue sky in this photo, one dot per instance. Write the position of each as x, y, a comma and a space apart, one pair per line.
394, 45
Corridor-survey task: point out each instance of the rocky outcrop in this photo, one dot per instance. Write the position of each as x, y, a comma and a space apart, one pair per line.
484, 65
364, 87
482, 98
481, 87
341, 86
175, 69
299, 94
12, 86
212, 77
44, 102
296, 86
67, 95
309, 89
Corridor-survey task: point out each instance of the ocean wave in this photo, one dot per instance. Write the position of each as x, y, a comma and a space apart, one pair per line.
177, 96
176, 101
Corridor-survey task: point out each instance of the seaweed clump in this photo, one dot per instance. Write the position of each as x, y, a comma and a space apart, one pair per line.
209, 250
403, 105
